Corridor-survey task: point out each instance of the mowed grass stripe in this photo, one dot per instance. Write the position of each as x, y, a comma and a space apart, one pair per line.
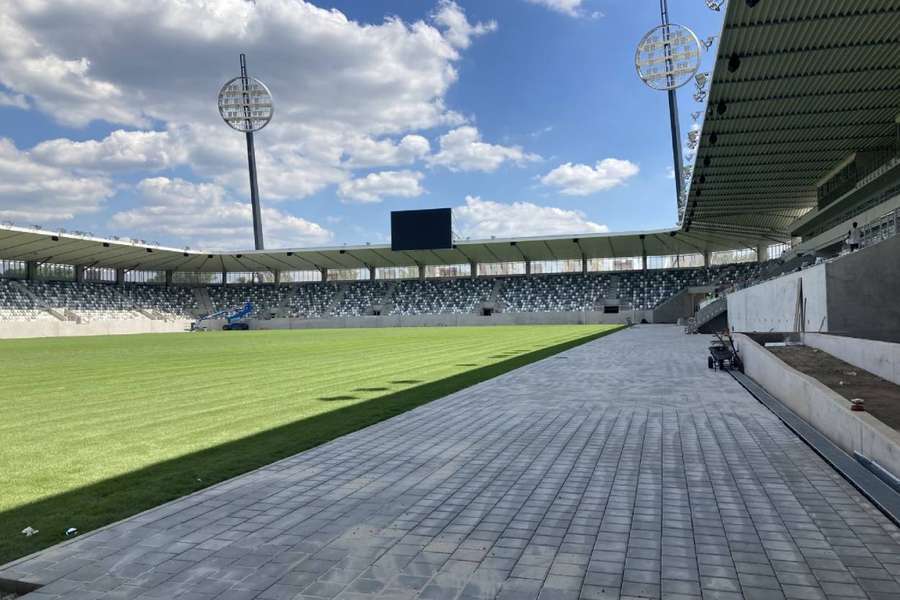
95, 429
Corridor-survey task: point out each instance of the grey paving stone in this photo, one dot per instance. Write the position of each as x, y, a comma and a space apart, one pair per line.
592, 477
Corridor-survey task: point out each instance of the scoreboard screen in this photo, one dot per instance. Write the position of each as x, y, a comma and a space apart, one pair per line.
429, 229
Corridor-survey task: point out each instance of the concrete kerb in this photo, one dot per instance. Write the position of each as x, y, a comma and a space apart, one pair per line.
821, 407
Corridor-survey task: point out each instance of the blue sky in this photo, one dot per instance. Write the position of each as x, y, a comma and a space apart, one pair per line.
525, 116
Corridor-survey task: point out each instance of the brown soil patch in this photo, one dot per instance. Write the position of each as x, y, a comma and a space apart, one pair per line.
882, 397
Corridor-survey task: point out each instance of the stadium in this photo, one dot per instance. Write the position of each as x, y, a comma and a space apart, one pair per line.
706, 411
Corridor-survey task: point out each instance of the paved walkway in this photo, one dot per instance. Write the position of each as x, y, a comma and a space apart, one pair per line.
619, 469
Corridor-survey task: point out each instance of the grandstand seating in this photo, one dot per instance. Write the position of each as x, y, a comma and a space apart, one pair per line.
310, 300
265, 298
358, 298
165, 301
441, 296
640, 290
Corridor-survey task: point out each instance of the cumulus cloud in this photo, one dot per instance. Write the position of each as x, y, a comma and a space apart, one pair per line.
119, 150
387, 184
485, 218
462, 150
33, 191
365, 151
359, 98
457, 28
204, 214
582, 180
572, 8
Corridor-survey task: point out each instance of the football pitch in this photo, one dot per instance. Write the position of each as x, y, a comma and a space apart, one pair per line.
94, 429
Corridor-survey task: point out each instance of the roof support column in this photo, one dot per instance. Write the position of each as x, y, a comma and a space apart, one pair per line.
643, 254
527, 267
324, 272
707, 257
169, 274
421, 268
371, 273
120, 276
584, 264
79, 273
473, 269
30, 270
762, 252
224, 277
277, 274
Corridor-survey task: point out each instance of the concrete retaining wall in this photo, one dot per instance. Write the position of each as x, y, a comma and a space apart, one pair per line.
854, 295
880, 358
863, 292
772, 305
821, 407
467, 320
47, 328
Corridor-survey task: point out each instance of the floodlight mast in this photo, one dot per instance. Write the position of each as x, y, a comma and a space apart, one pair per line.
673, 102
251, 159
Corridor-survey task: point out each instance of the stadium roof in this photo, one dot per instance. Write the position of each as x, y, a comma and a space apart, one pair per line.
797, 87
39, 245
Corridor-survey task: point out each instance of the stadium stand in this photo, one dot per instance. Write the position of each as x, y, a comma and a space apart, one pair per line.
171, 302
359, 297
310, 300
15, 305
640, 290
446, 296
84, 301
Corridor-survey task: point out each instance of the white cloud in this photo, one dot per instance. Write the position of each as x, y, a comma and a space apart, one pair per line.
358, 99
572, 8
458, 30
15, 100
36, 192
165, 59
484, 218
365, 151
119, 150
387, 184
462, 150
582, 180
202, 214
670, 172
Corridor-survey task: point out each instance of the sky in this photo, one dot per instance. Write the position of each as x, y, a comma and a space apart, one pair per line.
524, 116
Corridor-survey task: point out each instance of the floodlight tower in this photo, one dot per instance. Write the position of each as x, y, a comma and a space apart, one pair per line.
667, 57
246, 105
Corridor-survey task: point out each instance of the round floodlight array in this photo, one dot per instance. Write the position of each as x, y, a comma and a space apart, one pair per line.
668, 57
245, 103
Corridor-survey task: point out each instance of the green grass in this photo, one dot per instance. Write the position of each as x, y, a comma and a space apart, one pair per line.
94, 429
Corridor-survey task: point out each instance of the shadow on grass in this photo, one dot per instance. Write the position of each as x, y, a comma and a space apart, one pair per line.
110, 500
336, 398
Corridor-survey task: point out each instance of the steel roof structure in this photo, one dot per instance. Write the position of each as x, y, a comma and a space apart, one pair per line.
797, 87
38, 245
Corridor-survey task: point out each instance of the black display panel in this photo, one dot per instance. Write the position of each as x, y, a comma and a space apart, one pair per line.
429, 229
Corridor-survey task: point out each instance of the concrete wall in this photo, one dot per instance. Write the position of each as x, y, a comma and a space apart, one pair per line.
48, 328
821, 407
864, 292
772, 305
467, 320
880, 358
854, 295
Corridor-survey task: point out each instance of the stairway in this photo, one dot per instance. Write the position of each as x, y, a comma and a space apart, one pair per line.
709, 312
283, 307
499, 284
59, 315
202, 296
335, 300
